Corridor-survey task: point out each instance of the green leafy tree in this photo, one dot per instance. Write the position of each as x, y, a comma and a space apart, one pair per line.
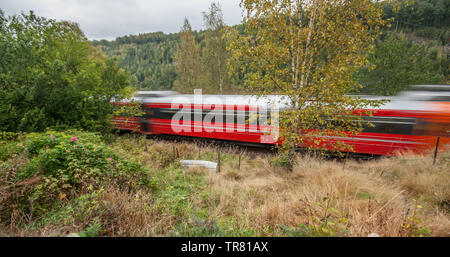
307, 51
215, 53
187, 61
399, 63
51, 76
418, 13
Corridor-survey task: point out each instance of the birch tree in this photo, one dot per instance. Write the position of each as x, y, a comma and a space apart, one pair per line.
216, 55
187, 61
307, 50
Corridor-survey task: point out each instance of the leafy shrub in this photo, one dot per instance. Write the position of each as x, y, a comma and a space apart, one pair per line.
8, 148
412, 225
281, 160
93, 230
62, 166
39, 141
8, 136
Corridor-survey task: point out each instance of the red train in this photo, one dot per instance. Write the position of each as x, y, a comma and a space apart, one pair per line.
411, 121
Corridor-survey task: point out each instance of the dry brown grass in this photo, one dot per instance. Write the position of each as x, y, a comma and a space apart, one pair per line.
372, 196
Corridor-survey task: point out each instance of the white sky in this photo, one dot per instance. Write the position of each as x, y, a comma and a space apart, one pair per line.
108, 19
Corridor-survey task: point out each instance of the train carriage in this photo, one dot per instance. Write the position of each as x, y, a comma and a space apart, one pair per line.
411, 121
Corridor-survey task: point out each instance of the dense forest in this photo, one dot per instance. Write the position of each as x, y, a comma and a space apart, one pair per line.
414, 49
148, 57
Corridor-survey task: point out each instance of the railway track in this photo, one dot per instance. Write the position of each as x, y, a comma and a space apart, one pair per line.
252, 149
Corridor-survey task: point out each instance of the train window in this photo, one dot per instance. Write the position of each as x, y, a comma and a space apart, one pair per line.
444, 98
265, 118
236, 116
219, 116
211, 115
163, 113
124, 110
431, 128
241, 117
390, 125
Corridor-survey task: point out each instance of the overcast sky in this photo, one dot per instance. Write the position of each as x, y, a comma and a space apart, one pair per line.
108, 19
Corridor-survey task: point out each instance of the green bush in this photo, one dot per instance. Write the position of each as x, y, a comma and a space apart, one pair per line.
51, 76
281, 160
8, 149
8, 136
74, 159
62, 166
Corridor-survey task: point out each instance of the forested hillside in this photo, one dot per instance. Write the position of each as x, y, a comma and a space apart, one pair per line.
148, 57
413, 50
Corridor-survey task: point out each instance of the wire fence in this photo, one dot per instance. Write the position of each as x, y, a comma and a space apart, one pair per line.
239, 163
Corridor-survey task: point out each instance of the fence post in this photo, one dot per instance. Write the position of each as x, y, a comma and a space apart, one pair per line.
436, 150
218, 160
348, 151
345, 160
239, 166
145, 143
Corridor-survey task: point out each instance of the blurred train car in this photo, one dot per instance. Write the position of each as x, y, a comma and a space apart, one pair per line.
411, 121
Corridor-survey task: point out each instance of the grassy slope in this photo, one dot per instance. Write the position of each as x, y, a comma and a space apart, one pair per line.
404, 196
